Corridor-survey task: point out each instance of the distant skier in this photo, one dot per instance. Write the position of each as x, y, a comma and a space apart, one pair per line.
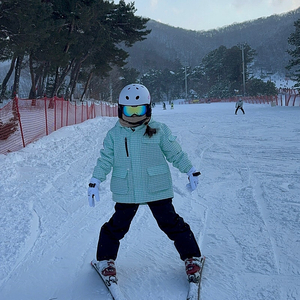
137, 149
164, 106
239, 105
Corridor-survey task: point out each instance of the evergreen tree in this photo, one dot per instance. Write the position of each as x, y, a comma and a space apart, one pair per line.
95, 32
294, 62
257, 87
21, 28
71, 37
221, 71
165, 85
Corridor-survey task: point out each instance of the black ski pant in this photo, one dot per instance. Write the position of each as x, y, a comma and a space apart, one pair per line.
167, 219
239, 107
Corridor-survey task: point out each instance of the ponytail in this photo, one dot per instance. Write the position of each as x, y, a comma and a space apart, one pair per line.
150, 131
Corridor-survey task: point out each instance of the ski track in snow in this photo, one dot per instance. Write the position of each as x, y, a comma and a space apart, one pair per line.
245, 213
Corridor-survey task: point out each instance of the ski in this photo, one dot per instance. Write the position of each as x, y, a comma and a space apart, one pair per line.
194, 287
111, 282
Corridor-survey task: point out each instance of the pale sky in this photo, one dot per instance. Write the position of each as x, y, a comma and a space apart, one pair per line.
210, 14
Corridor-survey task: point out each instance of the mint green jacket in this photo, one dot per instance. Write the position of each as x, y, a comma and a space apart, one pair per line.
140, 172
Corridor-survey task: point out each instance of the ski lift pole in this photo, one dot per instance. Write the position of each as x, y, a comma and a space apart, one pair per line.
243, 64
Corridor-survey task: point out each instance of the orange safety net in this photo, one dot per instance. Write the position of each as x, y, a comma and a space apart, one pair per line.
23, 121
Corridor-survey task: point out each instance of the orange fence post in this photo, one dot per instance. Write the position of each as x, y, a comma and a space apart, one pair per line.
16, 107
46, 116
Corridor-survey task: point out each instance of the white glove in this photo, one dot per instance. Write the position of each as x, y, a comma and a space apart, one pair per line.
93, 191
193, 178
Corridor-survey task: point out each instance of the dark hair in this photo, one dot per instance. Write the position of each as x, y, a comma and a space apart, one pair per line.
150, 131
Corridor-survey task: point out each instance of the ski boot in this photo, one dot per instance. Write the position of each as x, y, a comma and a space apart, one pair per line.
193, 268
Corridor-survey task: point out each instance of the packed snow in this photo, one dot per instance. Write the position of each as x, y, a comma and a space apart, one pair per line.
245, 213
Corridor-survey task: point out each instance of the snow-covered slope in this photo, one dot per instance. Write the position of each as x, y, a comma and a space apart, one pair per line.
245, 213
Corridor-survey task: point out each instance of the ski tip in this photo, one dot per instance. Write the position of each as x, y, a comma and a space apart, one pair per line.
203, 259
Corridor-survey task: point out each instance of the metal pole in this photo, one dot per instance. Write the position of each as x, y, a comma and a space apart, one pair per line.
244, 77
185, 81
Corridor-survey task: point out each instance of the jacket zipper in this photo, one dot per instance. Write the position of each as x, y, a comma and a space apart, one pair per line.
126, 147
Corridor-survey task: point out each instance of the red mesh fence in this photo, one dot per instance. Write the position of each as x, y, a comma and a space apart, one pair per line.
288, 97
24, 121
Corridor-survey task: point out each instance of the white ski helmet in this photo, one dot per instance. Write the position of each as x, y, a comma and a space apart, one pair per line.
134, 94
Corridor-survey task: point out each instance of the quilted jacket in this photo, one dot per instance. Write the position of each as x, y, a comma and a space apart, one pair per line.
140, 172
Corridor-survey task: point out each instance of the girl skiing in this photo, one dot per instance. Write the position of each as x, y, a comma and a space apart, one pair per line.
137, 149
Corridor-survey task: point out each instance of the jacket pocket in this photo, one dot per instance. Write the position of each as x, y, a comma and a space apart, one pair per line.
119, 181
159, 178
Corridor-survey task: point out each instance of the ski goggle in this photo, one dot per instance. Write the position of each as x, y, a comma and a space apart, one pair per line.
139, 110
